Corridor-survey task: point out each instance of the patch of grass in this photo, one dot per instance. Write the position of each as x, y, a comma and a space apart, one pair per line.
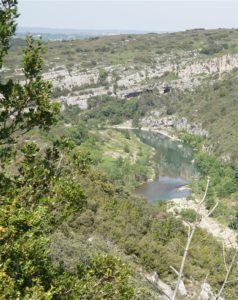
169, 76
127, 161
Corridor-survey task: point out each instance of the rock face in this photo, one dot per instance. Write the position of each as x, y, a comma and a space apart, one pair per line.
154, 121
206, 293
195, 291
166, 289
188, 68
66, 79
182, 290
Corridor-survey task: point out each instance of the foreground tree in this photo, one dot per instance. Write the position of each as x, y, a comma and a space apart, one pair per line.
23, 105
40, 190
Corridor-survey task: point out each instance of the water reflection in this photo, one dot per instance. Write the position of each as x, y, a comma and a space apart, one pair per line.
174, 165
172, 158
164, 188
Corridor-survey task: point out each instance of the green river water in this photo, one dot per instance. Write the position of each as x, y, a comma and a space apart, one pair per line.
173, 161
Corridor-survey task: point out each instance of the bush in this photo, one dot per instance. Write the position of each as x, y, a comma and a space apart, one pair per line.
234, 222
188, 215
126, 148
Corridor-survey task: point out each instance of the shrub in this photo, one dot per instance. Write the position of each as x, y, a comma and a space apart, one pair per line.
188, 215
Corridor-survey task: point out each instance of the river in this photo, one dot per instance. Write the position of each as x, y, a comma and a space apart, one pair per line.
173, 162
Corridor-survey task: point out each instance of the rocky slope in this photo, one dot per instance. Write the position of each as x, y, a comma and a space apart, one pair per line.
185, 71
156, 121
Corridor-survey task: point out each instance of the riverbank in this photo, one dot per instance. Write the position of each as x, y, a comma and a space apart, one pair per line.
123, 157
164, 188
128, 125
171, 160
220, 231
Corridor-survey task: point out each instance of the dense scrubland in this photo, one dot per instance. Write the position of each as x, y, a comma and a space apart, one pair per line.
131, 49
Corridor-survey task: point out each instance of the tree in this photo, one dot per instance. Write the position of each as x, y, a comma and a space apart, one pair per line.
8, 14
23, 105
41, 190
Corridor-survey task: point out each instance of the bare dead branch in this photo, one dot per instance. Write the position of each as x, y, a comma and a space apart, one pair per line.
224, 256
227, 275
189, 240
191, 230
175, 271
212, 210
203, 198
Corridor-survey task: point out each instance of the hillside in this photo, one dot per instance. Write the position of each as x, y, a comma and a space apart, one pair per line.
195, 64
71, 225
215, 107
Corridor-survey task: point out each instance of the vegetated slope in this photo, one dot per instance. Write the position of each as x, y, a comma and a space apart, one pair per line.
150, 237
115, 223
143, 61
142, 234
124, 49
215, 106
116, 64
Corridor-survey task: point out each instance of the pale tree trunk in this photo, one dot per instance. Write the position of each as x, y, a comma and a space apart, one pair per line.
228, 271
189, 240
191, 230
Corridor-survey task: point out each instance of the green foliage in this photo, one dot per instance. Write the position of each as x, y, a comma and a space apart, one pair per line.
148, 235
106, 277
126, 134
126, 148
103, 76
39, 190
168, 76
25, 106
8, 14
108, 109
213, 48
194, 140
215, 107
140, 50
57, 187
234, 221
70, 114
211, 198
223, 176
189, 215
126, 162
80, 133
33, 205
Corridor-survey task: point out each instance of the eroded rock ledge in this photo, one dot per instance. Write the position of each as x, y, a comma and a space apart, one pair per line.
182, 72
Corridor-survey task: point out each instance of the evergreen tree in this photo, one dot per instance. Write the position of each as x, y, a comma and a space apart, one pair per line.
40, 189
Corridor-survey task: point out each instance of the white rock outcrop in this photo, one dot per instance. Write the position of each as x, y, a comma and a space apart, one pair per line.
187, 67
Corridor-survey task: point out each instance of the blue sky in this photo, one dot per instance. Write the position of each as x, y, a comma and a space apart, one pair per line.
128, 15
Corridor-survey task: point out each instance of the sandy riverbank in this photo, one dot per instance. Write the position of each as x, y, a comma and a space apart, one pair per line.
128, 125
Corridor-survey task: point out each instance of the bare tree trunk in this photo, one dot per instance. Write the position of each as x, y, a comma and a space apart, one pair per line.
228, 271
189, 240
191, 231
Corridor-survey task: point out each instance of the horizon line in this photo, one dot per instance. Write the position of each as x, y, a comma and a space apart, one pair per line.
127, 29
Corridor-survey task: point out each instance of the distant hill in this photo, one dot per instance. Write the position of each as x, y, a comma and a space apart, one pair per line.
70, 34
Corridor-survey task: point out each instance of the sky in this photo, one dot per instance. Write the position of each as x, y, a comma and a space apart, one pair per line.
128, 15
